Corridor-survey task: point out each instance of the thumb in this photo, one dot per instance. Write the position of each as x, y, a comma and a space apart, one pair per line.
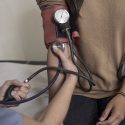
106, 113
60, 53
8, 83
13, 82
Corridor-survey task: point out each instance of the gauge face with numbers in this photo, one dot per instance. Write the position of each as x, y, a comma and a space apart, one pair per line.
61, 16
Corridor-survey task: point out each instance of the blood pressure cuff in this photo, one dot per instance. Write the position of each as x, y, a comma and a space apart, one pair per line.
121, 70
51, 31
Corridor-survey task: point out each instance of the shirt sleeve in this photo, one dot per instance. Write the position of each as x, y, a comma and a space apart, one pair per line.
47, 3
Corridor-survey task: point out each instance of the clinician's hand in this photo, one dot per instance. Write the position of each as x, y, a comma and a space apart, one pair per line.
114, 112
66, 61
20, 92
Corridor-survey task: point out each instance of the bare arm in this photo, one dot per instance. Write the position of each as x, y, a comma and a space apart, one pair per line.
58, 107
48, 8
60, 103
53, 61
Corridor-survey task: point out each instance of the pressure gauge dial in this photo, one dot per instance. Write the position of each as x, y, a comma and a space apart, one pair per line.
61, 16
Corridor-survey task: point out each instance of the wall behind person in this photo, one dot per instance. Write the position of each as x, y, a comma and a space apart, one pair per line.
21, 33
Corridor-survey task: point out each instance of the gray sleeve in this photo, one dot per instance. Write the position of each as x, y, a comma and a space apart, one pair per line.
46, 3
9, 117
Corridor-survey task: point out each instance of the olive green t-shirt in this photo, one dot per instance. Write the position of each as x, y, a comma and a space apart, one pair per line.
102, 42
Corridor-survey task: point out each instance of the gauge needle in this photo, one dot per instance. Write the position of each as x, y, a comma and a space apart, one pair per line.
62, 16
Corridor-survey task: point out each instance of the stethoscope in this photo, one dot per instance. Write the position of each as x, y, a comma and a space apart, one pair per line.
61, 18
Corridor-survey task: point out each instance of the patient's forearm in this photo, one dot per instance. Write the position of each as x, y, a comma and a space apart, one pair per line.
59, 105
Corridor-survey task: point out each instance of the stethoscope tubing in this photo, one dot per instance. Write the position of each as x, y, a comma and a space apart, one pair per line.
59, 70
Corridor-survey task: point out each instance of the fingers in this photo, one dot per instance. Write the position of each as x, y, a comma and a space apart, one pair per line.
21, 90
8, 83
16, 83
21, 93
66, 61
117, 121
16, 96
13, 82
115, 118
25, 88
59, 53
106, 112
110, 120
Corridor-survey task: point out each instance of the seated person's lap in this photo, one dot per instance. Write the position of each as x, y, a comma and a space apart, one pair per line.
10, 117
86, 111
82, 110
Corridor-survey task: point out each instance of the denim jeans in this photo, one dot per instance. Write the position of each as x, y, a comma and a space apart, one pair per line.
86, 111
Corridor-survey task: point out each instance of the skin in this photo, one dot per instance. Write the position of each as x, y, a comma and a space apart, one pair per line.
20, 92
58, 107
53, 61
116, 109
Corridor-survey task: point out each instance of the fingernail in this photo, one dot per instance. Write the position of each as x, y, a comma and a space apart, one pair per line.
55, 47
13, 93
101, 119
27, 85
